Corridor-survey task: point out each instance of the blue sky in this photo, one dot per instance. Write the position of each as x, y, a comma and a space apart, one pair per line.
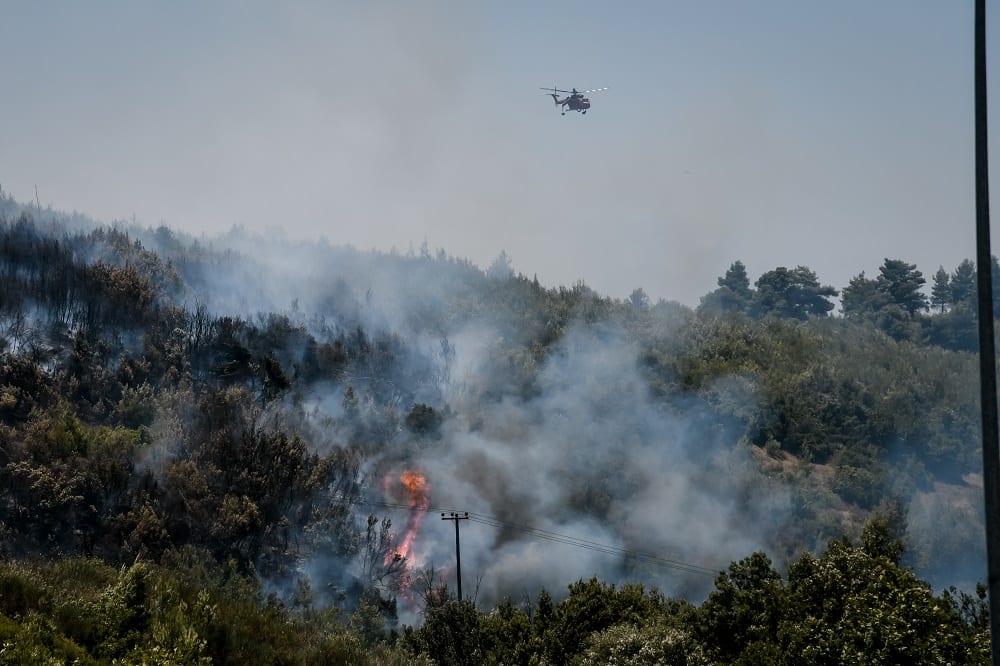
776, 132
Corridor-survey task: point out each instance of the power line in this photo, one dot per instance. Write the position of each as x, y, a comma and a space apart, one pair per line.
556, 537
597, 547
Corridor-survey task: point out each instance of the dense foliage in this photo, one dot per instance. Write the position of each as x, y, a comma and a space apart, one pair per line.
175, 459
187, 610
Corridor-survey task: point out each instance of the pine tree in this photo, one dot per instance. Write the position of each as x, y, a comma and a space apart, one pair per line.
901, 282
734, 293
794, 294
963, 283
736, 281
941, 290
861, 297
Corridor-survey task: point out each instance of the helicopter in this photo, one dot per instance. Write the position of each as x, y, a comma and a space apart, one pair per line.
574, 101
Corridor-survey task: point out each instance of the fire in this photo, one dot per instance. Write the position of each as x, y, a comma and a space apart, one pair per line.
417, 484
416, 491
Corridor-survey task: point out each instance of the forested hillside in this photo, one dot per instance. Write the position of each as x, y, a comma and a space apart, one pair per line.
210, 444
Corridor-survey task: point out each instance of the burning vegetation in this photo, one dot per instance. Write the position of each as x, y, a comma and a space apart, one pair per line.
413, 489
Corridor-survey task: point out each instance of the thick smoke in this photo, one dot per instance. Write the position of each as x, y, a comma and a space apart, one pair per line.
584, 455
593, 458
564, 478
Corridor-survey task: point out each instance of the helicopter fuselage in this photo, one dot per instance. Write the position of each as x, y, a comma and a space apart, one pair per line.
573, 103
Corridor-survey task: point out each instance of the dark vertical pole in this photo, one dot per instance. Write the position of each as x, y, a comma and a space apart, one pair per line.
458, 561
987, 350
451, 515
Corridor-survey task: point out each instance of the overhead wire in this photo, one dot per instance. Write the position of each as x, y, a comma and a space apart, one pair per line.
556, 537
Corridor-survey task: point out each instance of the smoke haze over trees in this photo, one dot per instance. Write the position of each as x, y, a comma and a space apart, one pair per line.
246, 408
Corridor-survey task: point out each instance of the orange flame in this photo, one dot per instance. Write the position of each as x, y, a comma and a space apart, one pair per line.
416, 490
417, 484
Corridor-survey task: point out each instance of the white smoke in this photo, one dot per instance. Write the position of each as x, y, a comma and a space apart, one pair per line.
590, 456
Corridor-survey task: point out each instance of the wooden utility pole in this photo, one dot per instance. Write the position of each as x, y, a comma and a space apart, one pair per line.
987, 349
452, 515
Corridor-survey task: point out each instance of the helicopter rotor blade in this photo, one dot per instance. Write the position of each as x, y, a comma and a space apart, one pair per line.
595, 90
555, 90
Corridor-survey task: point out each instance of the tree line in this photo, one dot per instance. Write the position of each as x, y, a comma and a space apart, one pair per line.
894, 301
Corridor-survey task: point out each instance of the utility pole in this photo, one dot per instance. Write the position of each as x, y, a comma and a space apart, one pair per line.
452, 515
987, 350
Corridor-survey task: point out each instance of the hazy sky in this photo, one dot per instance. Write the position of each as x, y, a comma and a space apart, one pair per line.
781, 132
